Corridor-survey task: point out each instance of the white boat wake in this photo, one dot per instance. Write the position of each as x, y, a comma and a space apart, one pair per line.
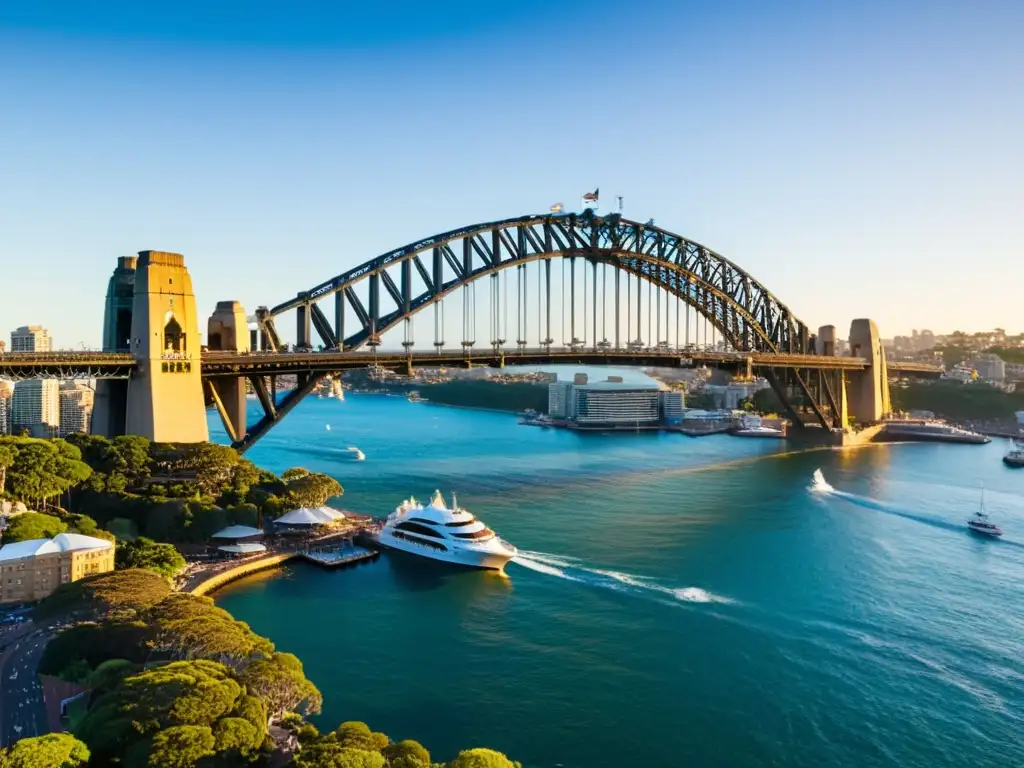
819, 484
571, 569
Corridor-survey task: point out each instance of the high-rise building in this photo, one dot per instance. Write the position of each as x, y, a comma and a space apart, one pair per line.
6, 391
35, 406
31, 338
76, 402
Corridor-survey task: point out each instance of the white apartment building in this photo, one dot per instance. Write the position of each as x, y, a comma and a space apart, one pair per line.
76, 404
35, 406
31, 338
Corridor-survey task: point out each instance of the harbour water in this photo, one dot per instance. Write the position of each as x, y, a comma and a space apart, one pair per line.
680, 602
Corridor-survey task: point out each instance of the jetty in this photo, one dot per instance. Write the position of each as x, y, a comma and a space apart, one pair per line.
336, 558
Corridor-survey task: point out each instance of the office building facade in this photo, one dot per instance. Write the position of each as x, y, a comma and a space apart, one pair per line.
76, 404
31, 338
35, 406
6, 393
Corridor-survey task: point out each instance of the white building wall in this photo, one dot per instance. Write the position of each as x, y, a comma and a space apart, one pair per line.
36, 406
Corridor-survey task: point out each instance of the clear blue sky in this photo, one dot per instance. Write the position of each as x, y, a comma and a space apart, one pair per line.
863, 161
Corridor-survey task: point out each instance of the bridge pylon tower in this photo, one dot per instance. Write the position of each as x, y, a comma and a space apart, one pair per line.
108, 414
227, 331
163, 398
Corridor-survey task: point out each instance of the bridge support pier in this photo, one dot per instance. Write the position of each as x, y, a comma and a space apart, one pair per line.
110, 410
165, 394
869, 389
227, 330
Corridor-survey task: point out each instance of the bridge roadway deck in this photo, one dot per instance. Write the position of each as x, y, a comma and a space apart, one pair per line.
87, 364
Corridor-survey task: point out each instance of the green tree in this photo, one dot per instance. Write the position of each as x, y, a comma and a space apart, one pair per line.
188, 626
482, 758
118, 593
43, 469
357, 735
8, 453
334, 755
131, 718
181, 746
146, 553
313, 489
128, 456
96, 644
279, 680
54, 750
407, 754
108, 674
33, 525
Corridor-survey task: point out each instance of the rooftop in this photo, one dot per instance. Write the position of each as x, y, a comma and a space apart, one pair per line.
62, 542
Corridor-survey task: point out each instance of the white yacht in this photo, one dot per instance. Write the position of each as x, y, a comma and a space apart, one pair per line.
450, 534
359, 455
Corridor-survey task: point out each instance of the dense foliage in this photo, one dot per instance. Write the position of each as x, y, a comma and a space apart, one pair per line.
148, 554
54, 750
37, 470
958, 402
117, 593
174, 715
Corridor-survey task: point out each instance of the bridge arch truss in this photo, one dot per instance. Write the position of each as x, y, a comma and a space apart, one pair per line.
377, 296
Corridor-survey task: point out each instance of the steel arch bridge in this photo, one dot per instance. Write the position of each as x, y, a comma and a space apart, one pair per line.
740, 308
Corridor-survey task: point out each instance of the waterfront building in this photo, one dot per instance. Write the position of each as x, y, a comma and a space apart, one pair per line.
608, 403
35, 406
673, 405
76, 403
729, 396
31, 570
31, 338
6, 392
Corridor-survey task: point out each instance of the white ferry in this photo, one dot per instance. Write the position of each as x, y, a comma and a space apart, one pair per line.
451, 535
931, 430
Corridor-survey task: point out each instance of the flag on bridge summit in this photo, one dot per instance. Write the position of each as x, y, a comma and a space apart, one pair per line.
557, 208
591, 197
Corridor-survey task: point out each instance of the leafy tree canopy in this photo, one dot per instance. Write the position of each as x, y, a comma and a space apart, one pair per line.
482, 758
54, 750
313, 489
333, 755
118, 592
187, 626
179, 707
33, 525
163, 559
359, 736
280, 681
42, 469
407, 754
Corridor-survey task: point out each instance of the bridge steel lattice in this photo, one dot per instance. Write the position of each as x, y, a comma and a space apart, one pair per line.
390, 289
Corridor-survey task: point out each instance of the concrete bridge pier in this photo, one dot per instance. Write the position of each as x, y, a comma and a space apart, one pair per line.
868, 389
228, 331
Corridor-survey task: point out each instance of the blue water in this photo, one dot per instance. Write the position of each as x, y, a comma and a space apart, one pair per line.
682, 601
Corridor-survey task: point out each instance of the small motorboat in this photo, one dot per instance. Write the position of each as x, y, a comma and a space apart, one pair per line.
980, 524
1015, 458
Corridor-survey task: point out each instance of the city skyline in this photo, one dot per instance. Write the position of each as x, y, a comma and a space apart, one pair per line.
844, 158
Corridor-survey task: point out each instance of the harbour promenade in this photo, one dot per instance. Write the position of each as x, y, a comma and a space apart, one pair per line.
331, 552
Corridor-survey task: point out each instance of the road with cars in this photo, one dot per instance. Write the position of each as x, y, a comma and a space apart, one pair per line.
22, 710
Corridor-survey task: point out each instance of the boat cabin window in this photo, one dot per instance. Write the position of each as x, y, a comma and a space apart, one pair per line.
475, 534
460, 523
411, 527
421, 542
421, 520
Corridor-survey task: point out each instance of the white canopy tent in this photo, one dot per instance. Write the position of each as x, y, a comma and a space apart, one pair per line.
243, 548
236, 532
308, 517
